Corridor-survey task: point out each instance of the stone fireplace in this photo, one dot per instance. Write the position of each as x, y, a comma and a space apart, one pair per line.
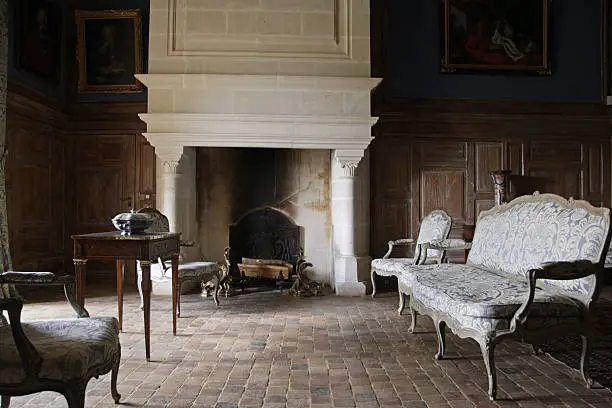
284, 85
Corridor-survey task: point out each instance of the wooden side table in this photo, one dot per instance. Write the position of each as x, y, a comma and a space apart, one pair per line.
144, 248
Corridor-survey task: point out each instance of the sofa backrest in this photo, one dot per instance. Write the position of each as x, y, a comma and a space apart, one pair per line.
530, 230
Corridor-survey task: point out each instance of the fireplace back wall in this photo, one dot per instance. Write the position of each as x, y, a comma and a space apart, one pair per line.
232, 181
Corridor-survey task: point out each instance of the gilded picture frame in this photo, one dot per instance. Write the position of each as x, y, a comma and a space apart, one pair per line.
496, 36
109, 50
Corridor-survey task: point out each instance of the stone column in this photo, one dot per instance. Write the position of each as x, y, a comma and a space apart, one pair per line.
168, 185
351, 265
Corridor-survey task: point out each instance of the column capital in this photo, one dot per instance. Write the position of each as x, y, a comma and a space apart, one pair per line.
170, 166
349, 160
169, 156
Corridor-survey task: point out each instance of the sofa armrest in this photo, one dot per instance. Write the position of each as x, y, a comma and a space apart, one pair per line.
443, 245
552, 271
397, 242
46, 279
30, 358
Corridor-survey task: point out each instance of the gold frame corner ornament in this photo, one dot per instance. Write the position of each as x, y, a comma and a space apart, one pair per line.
81, 16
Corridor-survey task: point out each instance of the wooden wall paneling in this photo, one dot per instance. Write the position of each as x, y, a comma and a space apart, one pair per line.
145, 172
557, 167
391, 190
445, 179
34, 182
487, 156
104, 180
563, 148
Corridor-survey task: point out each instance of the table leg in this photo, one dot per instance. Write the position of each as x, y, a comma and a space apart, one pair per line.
175, 258
120, 272
145, 266
80, 271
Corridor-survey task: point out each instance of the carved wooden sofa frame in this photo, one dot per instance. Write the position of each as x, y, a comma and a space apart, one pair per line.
578, 280
31, 360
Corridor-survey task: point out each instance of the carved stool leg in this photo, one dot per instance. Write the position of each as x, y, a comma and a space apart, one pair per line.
6, 401
373, 283
114, 373
402, 302
413, 315
584, 361
487, 347
441, 331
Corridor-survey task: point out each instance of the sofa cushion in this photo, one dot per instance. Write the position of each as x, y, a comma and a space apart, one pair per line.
69, 348
467, 290
535, 229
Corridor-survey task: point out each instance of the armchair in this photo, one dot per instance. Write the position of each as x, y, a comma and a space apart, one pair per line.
59, 355
435, 226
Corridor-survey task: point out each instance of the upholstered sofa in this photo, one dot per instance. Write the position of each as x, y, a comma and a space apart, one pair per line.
533, 272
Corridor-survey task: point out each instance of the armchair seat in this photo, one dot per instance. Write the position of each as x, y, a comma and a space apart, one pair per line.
70, 349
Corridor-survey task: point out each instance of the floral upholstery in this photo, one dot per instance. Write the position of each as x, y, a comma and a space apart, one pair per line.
481, 299
525, 234
434, 226
69, 348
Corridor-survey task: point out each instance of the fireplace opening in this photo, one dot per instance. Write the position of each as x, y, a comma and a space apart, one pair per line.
266, 204
265, 246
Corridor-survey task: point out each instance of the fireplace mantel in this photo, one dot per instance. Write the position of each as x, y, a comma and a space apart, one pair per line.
304, 121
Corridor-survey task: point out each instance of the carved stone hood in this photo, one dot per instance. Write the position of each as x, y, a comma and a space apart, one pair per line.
297, 112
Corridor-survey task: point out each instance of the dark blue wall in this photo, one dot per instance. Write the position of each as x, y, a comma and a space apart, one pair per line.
414, 52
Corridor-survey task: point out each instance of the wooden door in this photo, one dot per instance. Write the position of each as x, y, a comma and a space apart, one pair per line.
103, 180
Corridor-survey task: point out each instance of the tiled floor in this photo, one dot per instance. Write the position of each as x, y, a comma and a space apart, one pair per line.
272, 350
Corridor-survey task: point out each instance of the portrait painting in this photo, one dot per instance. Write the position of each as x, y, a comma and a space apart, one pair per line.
500, 35
39, 38
109, 50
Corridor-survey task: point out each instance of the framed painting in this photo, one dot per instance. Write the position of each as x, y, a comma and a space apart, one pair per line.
496, 35
38, 47
109, 50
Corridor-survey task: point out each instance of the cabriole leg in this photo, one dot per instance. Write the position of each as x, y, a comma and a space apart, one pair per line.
487, 347
441, 331
402, 302
413, 315
584, 361
373, 283
114, 374
75, 396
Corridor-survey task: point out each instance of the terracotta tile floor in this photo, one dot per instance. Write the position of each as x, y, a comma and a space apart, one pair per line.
271, 350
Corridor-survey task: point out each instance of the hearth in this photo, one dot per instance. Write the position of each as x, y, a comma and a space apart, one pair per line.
264, 243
